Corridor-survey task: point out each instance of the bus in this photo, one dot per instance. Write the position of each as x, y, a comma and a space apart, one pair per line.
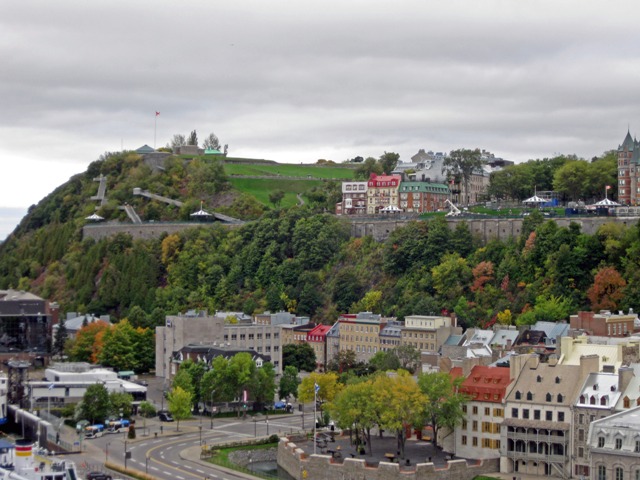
94, 431
117, 426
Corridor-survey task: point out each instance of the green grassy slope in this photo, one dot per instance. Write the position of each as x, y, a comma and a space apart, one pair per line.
289, 170
260, 188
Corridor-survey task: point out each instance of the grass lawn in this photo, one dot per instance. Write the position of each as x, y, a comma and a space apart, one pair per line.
289, 170
260, 188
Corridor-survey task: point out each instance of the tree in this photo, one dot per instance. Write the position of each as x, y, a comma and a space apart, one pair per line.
451, 277
384, 361
408, 357
289, 382
121, 404
388, 161
607, 290
301, 356
179, 402
88, 342
119, 349
193, 138
328, 383
211, 142
184, 380
146, 409
569, 179
344, 361
353, 408
178, 140
463, 163
400, 402
61, 338
263, 384
366, 168
194, 371
443, 407
276, 197
95, 405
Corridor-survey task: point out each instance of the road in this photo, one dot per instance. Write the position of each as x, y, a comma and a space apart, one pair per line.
174, 454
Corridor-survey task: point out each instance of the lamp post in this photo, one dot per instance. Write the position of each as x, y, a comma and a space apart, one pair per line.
106, 456
200, 428
125, 454
146, 464
211, 413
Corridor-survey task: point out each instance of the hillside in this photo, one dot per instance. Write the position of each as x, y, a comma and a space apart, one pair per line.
298, 259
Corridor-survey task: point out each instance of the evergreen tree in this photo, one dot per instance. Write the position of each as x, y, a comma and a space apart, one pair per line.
193, 138
61, 338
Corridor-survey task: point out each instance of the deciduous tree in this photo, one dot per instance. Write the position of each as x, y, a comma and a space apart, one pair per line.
289, 382
179, 402
463, 162
607, 290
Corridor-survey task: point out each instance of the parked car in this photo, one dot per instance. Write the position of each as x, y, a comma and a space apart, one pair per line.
165, 417
98, 476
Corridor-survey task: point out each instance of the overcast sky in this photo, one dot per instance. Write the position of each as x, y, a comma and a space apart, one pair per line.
295, 81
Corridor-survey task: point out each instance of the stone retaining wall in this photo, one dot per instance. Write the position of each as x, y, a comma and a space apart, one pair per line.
320, 467
245, 457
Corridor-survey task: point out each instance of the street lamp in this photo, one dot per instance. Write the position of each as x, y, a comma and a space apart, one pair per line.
106, 457
211, 413
146, 464
200, 428
125, 454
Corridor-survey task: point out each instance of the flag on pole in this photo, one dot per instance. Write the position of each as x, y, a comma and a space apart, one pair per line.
157, 113
317, 388
245, 396
608, 187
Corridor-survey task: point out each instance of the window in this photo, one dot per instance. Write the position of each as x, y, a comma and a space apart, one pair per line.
498, 412
618, 444
529, 396
561, 416
243, 336
464, 409
602, 472
518, 396
464, 424
549, 416
487, 411
581, 435
475, 410
581, 418
548, 397
536, 414
475, 441
525, 413
637, 448
464, 439
514, 412
600, 442
486, 443
581, 452
619, 473
474, 426
560, 398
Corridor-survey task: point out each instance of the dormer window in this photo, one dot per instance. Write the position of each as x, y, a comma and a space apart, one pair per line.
557, 379
548, 398
595, 386
529, 396
518, 395
582, 399
604, 400
560, 398
538, 379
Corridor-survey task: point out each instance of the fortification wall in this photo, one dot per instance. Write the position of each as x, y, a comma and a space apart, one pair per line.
320, 467
145, 231
485, 228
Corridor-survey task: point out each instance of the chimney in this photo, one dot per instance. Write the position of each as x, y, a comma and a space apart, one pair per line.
509, 344
625, 374
588, 364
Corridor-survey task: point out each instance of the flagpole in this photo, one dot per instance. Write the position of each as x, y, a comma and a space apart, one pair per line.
315, 416
155, 129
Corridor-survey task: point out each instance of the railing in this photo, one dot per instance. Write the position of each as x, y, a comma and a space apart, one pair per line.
532, 437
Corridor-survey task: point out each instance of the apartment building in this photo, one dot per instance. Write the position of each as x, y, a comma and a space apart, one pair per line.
479, 434
427, 333
354, 199
360, 333
536, 432
382, 192
317, 338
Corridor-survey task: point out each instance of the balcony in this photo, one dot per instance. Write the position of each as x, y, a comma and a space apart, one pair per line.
532, 437
537, 457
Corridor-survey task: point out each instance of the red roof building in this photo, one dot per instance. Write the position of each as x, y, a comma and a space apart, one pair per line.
382, 192
479, 434
317, 338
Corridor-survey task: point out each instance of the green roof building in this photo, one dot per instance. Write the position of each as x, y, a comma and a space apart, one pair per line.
420, 197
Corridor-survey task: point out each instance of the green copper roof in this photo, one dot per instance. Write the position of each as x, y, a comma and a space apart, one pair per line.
424, 187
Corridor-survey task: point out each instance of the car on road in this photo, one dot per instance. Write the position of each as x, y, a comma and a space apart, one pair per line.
165, 417
98, 476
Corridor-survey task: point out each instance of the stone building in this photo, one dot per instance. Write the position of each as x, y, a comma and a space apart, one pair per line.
614, 443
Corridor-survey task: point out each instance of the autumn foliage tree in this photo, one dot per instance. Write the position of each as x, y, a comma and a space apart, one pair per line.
88, 342
607, 290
